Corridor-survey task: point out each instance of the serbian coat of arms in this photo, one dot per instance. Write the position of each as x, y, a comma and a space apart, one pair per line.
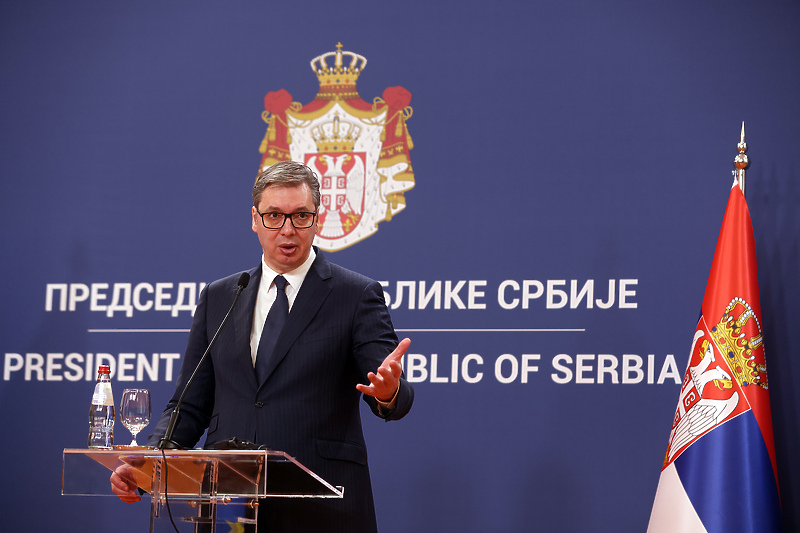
726, 358
359, 150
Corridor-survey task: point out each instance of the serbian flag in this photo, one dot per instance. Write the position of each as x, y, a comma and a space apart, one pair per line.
719, 472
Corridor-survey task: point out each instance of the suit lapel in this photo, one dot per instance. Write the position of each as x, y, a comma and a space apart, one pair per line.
315, 289
243, 324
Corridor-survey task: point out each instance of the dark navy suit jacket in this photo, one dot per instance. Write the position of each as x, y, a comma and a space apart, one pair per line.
338, 330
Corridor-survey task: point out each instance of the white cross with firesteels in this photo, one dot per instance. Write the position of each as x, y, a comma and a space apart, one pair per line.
332, 227
333, 191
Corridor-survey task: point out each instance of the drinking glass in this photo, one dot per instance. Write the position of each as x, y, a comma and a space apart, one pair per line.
134, 411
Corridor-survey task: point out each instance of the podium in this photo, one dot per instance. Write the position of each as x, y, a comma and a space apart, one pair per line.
203, 487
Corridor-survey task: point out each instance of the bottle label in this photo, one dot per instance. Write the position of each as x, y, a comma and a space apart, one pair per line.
102, 395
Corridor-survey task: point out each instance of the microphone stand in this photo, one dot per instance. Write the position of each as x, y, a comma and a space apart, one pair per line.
167, 443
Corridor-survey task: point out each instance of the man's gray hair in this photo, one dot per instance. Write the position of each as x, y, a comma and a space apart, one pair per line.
287, 174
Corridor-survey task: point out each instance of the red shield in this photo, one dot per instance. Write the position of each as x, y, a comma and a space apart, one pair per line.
341, 177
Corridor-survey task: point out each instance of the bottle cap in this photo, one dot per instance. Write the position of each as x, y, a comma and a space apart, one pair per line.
104, 369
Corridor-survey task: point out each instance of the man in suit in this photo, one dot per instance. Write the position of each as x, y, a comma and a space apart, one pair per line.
336, 345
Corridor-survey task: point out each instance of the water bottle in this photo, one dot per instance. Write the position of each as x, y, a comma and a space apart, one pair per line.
101, 413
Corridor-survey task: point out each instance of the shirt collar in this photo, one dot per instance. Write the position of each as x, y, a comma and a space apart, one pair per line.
295, 277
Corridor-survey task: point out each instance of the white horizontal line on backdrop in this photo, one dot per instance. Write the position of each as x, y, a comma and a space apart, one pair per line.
427, 330
487, 330
120, 330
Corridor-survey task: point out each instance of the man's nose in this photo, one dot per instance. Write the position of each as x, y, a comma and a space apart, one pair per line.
288, 227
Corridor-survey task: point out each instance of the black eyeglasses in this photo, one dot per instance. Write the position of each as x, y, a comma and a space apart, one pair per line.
276, 220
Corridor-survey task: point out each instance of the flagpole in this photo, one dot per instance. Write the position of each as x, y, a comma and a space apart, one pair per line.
741, 162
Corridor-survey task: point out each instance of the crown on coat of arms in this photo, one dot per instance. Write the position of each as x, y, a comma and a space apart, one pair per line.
335, 135
337, 80
738, 349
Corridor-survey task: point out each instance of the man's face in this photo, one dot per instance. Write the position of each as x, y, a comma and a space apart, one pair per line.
287, 248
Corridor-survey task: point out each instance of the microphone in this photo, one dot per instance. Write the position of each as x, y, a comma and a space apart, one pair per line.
166, 443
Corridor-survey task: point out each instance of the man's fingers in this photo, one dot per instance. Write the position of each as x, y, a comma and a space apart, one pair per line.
387, 375
379, 379
398, 352
128, 497
124, 488
119, 481
390, 372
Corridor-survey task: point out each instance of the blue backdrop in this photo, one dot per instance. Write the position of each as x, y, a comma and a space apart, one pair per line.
558, 148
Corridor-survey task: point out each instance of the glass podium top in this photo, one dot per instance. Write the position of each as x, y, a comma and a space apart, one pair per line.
194, 473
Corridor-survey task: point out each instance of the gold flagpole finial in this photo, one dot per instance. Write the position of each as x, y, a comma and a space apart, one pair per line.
741, 162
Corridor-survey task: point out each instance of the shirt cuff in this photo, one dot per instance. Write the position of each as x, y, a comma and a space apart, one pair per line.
387, 407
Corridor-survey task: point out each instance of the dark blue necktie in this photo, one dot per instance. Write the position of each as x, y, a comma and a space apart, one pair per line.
272, 328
